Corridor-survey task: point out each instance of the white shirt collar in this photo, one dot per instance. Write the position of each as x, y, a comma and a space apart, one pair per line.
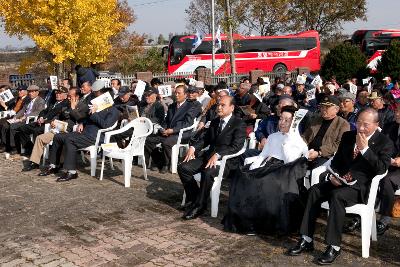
226, 119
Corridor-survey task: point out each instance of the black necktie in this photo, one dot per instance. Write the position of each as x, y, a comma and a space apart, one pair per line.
221, 123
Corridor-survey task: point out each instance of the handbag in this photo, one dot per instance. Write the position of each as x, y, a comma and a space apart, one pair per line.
396, 208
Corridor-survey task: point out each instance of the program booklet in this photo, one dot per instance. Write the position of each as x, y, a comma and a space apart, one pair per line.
103, 101
61, 127
6, 95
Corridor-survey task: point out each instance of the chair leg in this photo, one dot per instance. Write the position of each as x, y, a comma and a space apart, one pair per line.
366, 222
93, 162
215, 191
112, 164
373, 228
127, 171
102, 168
174, 159
83, 157
144, 167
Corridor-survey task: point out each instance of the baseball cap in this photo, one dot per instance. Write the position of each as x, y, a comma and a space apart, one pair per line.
330, 100
347, 95
386, 78
124, 90
62, 89
33, 87
150, 91
192, 89
98, 85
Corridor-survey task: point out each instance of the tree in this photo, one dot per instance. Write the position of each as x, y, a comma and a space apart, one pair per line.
389, 65
161, 39
76, 30
326, 16
150, 61
344, 61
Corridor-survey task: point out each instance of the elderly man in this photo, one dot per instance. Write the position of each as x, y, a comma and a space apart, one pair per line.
362, 99
385, 114
116, 86
33, 108
362, 154
324, 132
242, 97
347, 110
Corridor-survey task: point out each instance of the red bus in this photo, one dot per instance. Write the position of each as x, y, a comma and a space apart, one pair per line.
268, 53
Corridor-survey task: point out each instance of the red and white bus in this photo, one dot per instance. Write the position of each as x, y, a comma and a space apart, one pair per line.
268, 53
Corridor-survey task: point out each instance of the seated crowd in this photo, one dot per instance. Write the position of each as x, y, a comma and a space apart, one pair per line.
355, 133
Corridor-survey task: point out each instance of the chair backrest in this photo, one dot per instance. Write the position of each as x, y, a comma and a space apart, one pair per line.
373, 190
141, 126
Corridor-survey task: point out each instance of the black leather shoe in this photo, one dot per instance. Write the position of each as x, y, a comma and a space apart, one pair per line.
48, 171
250, 231
194, 213
188, 205
30, 166
329, 256
352, 226
381, 228
67, 176
164, 170
154, 168
301, 246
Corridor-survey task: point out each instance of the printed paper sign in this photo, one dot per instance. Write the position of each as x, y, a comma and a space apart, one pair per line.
60, 127
366, 80
165, 90
103, 101
54, 82
301, 79
353, 89
6, 96
311, 94
298, 116
317, 81
139, 90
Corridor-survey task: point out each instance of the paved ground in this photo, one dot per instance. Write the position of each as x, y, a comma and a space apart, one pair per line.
89, 223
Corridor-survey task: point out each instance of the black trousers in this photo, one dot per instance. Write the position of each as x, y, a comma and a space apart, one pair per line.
388, 186
8, 132
120, 138
166, 143
186, 170
339, 197
23, 134
70, 142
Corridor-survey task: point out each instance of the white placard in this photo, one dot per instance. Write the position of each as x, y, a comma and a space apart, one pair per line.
298, 116
366, 80
103, 101
165, 90
311, 94
107, 82
139, 90
369, 88
301, 79
54, 82
317, 81
264, 89
6, 95
192, 82
353, 89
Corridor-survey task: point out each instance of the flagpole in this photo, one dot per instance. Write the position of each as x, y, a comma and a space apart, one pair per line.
232, 52
213, 35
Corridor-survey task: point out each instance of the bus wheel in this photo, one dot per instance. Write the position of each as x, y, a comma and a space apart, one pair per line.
279, 68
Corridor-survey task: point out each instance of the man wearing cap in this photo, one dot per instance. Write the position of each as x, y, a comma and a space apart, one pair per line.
125, 97
242, 97
33, 108
385, 114
300, 94
388, 83
347, 110
203, 97
192, 96
22, 136
272, 101
80, 108
324, 132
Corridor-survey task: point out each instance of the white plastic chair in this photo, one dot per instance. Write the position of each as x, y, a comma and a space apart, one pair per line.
177, 147
94, 149
252, 136
397, 193
367, 214
142, 127
46, 149
216, 188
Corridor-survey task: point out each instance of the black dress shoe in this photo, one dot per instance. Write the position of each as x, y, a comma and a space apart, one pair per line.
154, 168
329, 256
353, 225
67, 176
48, 171
251, 231
381, 228
301, 246
164, 170
194, 213
30, 166
188, 205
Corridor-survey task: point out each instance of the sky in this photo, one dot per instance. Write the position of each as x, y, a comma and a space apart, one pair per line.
165, 16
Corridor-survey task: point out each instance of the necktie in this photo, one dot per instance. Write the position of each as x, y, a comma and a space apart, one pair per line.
220, 127
348, 176
29, 108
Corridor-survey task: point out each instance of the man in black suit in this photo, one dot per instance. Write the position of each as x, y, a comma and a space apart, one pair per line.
180, 114
45, 116
84, 136
391, 183
361, 155
225, 135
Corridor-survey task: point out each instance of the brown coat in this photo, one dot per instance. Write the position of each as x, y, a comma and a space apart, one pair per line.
332, 137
